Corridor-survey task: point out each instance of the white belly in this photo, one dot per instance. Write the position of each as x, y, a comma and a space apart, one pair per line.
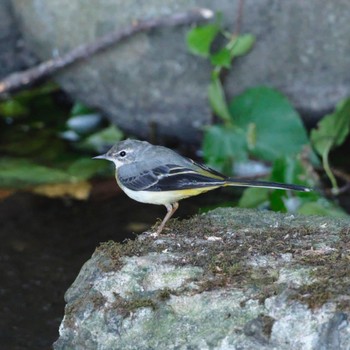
163, 197
149, 197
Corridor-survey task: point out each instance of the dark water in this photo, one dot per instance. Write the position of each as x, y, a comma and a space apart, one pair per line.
44, 243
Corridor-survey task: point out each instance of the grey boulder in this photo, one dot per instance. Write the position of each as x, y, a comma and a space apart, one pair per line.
228, 279
151, 83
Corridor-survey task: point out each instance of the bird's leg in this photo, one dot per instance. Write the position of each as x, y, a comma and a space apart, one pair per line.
171, 208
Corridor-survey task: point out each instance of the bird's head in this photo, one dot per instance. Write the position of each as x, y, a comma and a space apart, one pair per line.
125, 152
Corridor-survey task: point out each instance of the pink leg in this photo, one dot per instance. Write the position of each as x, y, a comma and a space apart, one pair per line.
171, 208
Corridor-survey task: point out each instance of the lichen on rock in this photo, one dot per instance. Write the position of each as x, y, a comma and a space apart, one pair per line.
227, 279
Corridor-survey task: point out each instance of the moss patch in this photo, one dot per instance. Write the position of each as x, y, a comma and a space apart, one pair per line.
332, 270
115, 251
126, 306
243, 235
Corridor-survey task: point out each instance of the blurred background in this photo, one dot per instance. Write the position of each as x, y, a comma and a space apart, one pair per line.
258, 90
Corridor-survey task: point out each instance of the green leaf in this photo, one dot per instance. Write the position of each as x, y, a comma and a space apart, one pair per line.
237, 46
21, 173
221, 58
80, 109
241, 45
199, 39
86, 168
322, 207
332, 131
100, 140
284, 170
217, 99
278, 128
276, 201
47, 89
289, 170
254, 197
13, 108
223, 144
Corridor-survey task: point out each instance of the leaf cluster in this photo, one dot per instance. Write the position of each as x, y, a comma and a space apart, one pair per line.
260, 123
45, 142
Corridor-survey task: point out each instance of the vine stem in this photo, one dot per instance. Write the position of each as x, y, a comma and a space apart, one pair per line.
327, 168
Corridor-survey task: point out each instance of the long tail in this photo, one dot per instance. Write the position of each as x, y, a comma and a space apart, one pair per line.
267, 184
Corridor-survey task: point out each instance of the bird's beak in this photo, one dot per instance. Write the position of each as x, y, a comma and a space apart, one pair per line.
102, 156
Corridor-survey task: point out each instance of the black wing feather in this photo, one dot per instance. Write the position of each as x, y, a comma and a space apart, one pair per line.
168, 177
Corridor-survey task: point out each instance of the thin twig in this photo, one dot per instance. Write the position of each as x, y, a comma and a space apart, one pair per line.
239, 17
20, 80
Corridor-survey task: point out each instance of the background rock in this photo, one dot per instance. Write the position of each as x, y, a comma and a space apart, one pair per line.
302, 49
13, 54
225, 280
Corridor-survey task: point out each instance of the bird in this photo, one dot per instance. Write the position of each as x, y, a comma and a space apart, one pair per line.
158, 175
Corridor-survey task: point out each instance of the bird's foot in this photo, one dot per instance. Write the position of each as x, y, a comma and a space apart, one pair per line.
152, 234
156, 234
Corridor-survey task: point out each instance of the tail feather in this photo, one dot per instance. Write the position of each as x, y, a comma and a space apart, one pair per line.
266, 184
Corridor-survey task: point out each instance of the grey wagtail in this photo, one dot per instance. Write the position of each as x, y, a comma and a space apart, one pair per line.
157, 175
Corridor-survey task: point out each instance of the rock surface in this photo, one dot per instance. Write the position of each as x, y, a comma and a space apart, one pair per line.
13, 54
228, 279
151, 80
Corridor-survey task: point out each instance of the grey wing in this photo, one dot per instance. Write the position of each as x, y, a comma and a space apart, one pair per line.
141, 180
169, 177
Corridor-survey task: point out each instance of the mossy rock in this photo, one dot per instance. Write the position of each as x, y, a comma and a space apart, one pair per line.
226, 279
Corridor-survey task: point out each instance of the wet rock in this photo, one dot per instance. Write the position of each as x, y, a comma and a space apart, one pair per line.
266, 281
151, 82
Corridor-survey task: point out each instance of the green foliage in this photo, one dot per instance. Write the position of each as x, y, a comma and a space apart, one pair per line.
290, 170
331, 132
254, 198
222, 58
199, 39
21, 173
285, 170
35, 152
98, 140
84, 169
322, 207
80, 109
25, 102
241, 45
222, 145
12, 108
29, 127
254, 116
278, 130
217, 100
261, 123
199, 42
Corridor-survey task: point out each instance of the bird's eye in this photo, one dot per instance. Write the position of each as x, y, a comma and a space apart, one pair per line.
122, 154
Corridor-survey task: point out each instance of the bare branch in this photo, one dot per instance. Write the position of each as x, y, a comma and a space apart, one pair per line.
239, 17
21, 80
